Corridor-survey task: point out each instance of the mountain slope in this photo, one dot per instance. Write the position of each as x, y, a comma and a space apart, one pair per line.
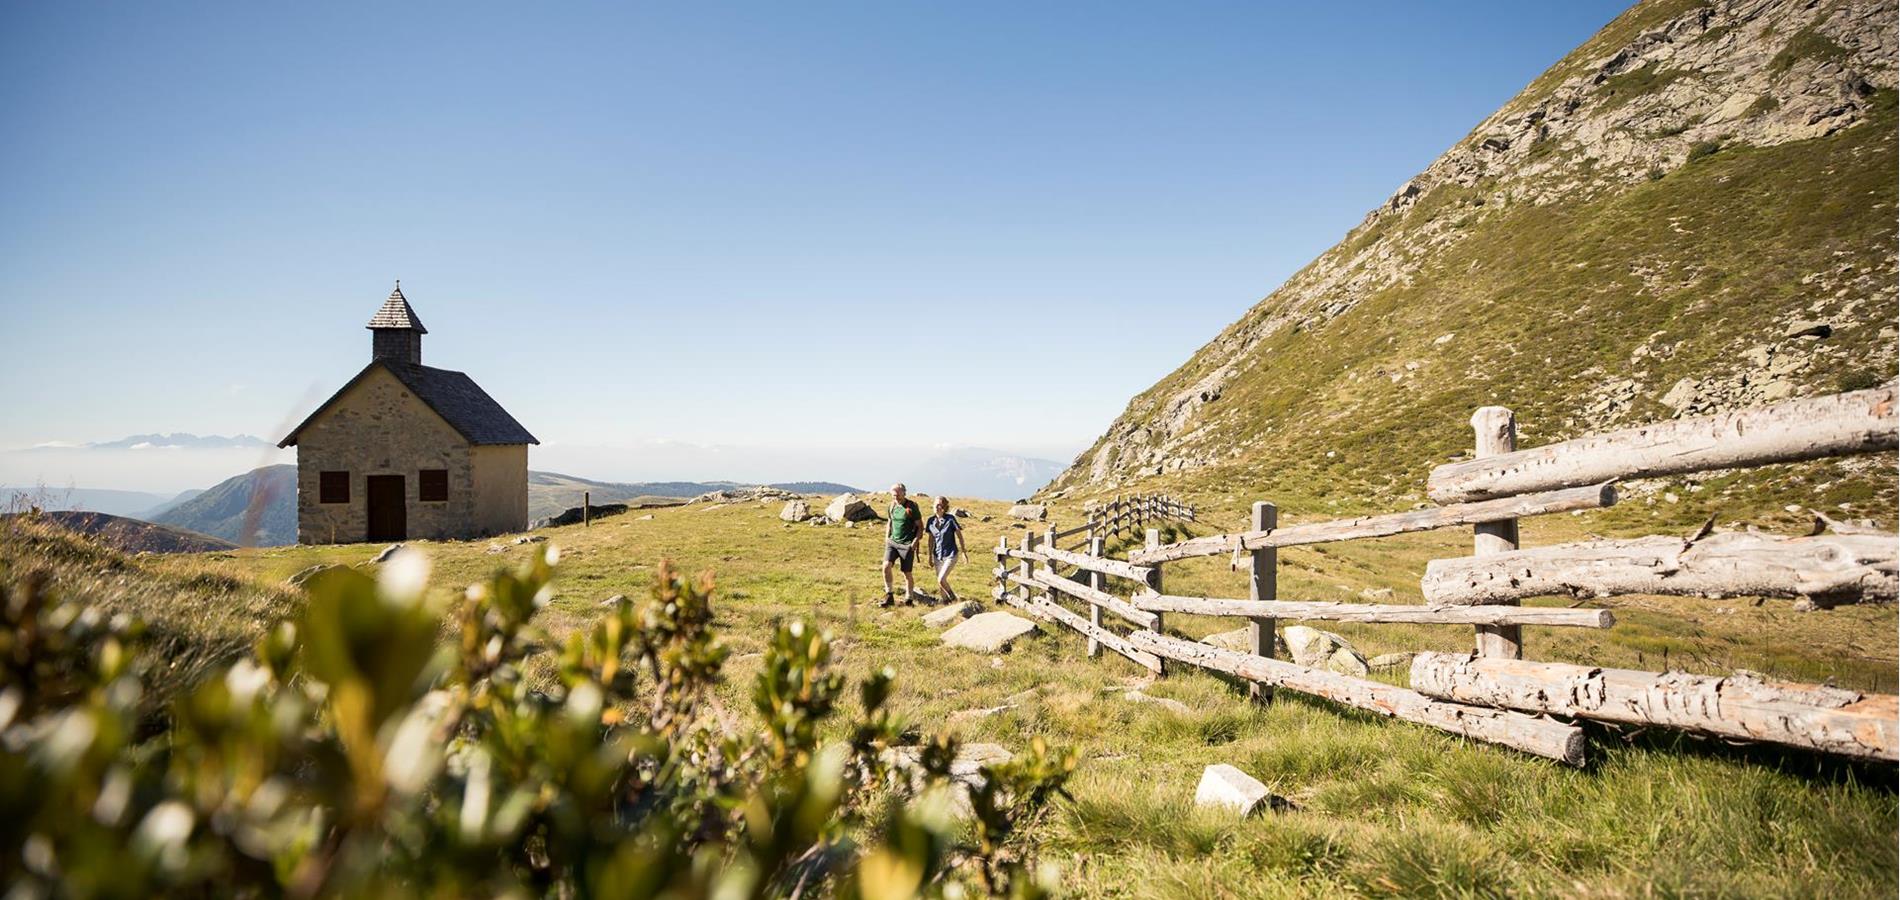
133, 535
1642, 232
257, 508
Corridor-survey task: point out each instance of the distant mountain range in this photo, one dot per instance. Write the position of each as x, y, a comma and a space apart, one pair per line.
182, 440
550, 493
16, 498
981, 473
175, 441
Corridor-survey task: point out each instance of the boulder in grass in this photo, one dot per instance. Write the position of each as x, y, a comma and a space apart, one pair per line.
305, 575
849, 508
388, 552
990, 632
1225, 787
795, 511
1034, 512
1318, 649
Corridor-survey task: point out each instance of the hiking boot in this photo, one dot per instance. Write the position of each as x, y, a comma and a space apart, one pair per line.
887, 601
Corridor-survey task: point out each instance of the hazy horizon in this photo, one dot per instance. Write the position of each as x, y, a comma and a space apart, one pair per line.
784, 229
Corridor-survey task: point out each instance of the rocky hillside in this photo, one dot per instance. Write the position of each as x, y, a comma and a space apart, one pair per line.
1694, 210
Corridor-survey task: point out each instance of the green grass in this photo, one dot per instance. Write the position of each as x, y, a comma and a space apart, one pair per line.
1618, 90
1382, 807
1806, 44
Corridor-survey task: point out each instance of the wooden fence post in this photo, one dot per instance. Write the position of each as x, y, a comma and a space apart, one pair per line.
1154, 584
587, 505
1264, 585
1095, 609
1028, 569
1002, 562
1496, 431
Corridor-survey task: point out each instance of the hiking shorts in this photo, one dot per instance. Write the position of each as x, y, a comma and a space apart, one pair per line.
905, 559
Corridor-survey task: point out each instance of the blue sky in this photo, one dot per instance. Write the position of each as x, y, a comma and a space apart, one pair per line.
770, 226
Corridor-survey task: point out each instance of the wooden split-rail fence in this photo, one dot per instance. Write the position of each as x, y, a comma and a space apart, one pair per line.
1493, 693
1123, 516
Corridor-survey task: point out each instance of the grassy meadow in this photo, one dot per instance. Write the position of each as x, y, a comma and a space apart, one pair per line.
1382, 808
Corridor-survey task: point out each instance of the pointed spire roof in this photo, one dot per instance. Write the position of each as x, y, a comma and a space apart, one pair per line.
397, 314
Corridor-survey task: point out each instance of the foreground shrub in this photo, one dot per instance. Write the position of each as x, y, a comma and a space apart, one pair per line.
357, 753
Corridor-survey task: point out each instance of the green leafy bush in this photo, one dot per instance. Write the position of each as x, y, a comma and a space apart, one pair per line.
357, 753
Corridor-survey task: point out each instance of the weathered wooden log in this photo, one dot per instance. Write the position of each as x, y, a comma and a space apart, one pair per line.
1358, 527
1050, 612
1744, 705
1113, 567
1319, 610
1543, 737
1049, 579
1827, 569
1811, 428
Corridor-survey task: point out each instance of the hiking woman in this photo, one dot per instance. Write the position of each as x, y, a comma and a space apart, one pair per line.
946, 541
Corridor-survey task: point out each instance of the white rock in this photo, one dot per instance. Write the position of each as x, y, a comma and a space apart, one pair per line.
990, 632
1225, 787
795, 511
940, 618
388, 552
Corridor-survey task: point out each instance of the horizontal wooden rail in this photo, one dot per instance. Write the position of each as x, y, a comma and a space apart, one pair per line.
1050, 612
1743, 705
1013, 553
1828, 569
1589, 497
1103, 599
1103, 565
1543, 737
1811, 428
1367, 612
1079, 529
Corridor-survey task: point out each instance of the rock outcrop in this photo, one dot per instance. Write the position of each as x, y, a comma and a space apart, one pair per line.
1632, 122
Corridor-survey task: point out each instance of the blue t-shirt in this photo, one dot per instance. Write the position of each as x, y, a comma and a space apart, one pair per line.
943, 534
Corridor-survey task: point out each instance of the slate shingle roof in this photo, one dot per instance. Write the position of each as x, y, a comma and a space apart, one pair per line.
454, 396
397, 314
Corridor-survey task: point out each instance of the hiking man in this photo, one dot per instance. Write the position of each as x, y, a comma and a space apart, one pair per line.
900, 541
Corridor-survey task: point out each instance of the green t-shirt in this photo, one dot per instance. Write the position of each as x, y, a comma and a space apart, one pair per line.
905, 517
